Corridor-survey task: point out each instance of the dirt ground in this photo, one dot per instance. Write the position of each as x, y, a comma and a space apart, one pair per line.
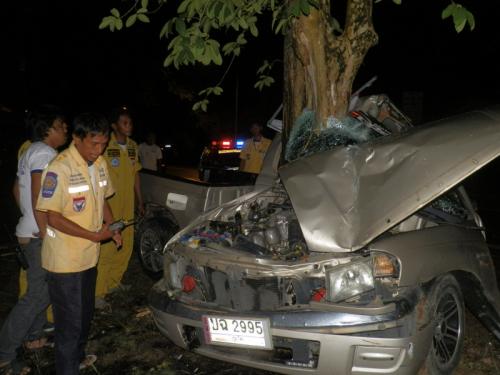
126, 341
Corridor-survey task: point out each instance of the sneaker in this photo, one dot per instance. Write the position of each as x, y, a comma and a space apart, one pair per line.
48, 327
88, 361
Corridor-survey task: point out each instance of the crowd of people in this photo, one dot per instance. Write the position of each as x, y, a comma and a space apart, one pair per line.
68, 200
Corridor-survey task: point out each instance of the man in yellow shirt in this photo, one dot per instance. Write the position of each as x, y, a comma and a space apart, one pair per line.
252, 154
122, 158
74, 191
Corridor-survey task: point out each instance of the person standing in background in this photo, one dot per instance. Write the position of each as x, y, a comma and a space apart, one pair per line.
26, 320
252, 154
122, 158
150, 154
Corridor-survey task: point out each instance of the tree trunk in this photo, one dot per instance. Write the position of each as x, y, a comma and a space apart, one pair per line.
320, 66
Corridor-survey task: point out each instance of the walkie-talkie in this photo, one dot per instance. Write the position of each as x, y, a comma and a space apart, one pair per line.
119, 225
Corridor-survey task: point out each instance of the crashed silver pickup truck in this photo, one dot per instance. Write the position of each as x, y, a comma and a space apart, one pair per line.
358, 260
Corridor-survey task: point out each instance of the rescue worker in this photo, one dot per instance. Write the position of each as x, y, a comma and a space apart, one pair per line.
123, 164
27, 319
254, 150
75, 187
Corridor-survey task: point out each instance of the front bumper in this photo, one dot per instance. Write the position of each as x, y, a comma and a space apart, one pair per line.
373, 342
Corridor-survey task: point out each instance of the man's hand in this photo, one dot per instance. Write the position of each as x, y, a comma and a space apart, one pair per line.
104, 234
117, 237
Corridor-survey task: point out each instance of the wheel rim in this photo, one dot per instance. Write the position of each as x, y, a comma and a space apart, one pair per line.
448, 331
151, 249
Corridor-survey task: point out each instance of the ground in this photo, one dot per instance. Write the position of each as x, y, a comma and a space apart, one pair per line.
127, 342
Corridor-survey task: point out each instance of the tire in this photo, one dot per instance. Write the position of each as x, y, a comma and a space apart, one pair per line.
445, 304
151, 238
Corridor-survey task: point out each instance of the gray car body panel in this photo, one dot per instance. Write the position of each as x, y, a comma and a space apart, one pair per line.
346, 197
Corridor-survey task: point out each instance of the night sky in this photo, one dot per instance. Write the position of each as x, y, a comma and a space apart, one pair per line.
53, 52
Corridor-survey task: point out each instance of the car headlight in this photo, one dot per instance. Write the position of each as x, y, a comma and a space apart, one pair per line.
349, 280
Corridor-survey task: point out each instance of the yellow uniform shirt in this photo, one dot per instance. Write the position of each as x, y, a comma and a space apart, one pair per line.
68, 188
123, 164
253, 153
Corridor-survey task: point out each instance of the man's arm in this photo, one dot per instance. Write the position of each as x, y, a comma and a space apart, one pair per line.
58, 221
138, 194
107, 213
40, 217
15, 192
108, 219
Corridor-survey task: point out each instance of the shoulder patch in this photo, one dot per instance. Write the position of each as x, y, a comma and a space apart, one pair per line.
49, 185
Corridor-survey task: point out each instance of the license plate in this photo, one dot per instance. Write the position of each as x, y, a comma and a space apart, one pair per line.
239, 332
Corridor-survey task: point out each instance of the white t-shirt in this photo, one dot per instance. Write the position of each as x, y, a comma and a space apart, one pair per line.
148, 156
35, 159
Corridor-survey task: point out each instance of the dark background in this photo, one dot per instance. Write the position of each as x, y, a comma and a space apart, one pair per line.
53, 52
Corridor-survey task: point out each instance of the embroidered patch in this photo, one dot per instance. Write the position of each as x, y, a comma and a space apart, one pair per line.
113, 152
115, 162
79, 204
131, 152
49, 185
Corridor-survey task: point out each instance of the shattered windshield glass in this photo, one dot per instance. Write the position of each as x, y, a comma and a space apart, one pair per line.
374, 117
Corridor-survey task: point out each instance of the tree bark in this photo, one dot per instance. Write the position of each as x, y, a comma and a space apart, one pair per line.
320, 66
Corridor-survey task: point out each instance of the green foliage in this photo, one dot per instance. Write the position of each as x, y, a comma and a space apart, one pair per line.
460, 15
193, 33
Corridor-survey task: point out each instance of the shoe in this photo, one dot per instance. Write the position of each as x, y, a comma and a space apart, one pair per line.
101, 304
48, 327
88, 361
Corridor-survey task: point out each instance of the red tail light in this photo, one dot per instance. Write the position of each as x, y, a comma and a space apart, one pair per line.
188, 283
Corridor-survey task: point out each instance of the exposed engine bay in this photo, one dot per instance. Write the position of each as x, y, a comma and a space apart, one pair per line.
265, 226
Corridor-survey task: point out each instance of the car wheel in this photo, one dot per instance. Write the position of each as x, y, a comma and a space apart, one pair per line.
446, 305
152, 236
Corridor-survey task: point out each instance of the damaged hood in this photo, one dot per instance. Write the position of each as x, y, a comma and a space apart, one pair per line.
345, 197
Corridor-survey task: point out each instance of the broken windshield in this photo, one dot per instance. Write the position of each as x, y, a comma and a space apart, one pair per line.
373, 117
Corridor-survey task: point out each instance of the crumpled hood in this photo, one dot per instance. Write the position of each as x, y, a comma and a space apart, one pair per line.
347, 196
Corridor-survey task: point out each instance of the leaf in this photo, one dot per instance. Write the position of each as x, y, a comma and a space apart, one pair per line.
168, 60
264, 81
183, 6
144, 3
265, 66
304, 7
253, 30
115, 12
281, 25
180, 26
166, 29
447, 11
471, 20
397, 2
131, 20
106, 21
143, 18
118, 23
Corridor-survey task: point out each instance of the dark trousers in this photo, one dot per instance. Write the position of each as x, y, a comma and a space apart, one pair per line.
26, 320
72, 298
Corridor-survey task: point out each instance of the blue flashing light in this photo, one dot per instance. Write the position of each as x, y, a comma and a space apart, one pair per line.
239, 144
